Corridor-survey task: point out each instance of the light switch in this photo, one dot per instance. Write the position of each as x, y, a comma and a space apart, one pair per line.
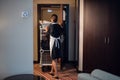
25, 14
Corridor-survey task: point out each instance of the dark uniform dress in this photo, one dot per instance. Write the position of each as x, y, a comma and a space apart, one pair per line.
55, 31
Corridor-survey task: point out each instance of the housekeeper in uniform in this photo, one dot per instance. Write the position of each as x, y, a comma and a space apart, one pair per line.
55, 31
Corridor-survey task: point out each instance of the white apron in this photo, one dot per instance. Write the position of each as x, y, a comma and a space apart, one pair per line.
52, 41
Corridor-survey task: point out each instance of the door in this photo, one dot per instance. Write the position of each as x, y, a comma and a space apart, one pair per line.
113, 39
44, 13
96, 23
101, 36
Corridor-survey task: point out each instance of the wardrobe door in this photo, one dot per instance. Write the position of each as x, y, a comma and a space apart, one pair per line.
95, 34
113, 42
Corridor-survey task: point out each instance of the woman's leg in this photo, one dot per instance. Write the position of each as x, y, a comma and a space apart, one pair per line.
51, 69
54, 64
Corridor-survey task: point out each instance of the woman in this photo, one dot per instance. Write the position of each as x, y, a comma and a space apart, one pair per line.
55, 31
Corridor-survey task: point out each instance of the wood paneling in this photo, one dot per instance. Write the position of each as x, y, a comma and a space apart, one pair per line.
101, 36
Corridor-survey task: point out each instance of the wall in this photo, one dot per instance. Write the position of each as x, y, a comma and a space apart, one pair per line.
71, 24
46, 16
16, 38
81, 30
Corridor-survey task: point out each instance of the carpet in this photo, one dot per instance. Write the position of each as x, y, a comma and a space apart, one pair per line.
68, 73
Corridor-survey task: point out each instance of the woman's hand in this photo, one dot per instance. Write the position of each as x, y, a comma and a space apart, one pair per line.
46, 29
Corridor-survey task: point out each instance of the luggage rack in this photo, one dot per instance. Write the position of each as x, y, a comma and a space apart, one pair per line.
45, 59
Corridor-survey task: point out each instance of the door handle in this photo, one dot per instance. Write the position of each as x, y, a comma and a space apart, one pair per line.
108, 40
105, 40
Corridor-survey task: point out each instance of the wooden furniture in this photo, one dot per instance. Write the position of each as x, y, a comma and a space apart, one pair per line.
101, 36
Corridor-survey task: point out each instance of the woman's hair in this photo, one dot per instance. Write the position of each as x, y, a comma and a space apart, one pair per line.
54, 17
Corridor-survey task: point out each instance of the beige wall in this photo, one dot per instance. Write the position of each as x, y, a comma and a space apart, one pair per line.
46, 16
71, 23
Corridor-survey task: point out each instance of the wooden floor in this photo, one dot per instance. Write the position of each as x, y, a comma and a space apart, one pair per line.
68, 73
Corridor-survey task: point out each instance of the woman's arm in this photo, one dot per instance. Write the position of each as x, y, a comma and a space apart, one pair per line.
46, 29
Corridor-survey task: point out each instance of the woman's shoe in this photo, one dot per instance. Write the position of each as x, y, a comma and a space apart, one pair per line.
51, 73
56, 77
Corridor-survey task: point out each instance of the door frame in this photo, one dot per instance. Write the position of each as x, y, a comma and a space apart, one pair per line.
67, 29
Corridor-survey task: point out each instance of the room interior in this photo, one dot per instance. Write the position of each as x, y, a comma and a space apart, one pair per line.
92, 40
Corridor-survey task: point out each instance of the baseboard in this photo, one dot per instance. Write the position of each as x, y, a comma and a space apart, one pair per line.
35, 62
79, 71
